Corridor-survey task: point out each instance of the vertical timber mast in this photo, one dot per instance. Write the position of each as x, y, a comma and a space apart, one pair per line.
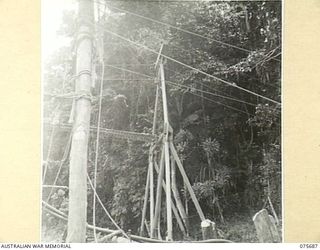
77, 218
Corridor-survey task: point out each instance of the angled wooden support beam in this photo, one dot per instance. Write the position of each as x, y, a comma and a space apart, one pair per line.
176, 196
187, 182
108, 237
153, 230
145, 204
147, 227
159, 230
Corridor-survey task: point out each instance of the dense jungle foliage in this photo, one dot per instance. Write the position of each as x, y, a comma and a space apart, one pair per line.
230, 146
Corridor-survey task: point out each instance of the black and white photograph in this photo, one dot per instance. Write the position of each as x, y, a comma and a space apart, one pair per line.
161, 121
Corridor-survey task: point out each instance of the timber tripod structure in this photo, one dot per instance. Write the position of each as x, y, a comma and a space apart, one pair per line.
163, 158
166, 174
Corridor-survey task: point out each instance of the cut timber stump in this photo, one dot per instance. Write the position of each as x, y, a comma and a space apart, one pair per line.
265, 226
208, 229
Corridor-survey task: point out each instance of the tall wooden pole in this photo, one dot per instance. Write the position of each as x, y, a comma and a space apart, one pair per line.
166, 152
151, 158
77, 218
